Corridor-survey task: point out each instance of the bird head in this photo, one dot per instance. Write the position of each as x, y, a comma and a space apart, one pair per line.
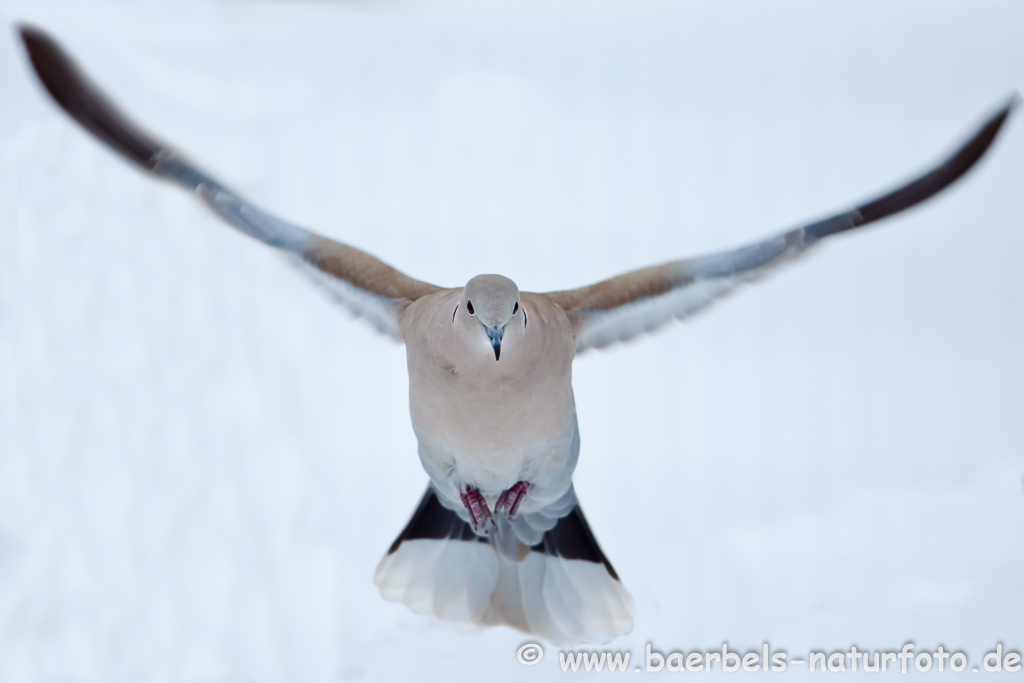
489, 303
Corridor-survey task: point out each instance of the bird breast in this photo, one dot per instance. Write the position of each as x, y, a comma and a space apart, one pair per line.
494, 418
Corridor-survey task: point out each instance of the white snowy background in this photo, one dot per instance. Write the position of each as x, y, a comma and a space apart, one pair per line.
202, 459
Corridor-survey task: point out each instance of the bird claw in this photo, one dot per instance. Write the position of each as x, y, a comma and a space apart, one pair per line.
479, 514
508, 501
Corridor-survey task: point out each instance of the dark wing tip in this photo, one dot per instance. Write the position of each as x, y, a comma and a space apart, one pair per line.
927, 185
76, 95
944, 175
28, 32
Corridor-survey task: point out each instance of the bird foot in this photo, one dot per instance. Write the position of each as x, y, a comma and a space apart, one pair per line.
508, 501
476, 506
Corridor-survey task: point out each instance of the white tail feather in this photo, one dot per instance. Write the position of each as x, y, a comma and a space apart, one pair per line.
564, 601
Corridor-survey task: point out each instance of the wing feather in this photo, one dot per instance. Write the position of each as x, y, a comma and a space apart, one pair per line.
365, 285
640, 301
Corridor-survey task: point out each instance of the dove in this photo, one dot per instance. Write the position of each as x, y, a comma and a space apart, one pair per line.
499, 536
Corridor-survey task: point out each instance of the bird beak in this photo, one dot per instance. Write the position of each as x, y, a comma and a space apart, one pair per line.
495, 334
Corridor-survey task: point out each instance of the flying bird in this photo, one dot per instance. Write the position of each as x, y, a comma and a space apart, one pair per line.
499, 536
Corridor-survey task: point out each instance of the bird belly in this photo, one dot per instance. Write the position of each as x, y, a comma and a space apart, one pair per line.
492, 445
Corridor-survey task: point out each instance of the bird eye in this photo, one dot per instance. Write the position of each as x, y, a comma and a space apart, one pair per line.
469, 307
515, 309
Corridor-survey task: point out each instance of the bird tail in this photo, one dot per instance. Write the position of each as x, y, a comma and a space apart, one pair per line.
562, 589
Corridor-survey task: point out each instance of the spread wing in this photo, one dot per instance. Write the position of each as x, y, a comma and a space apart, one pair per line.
365, 285
631, 304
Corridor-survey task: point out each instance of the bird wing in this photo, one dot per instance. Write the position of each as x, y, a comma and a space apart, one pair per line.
367, 286
640, 301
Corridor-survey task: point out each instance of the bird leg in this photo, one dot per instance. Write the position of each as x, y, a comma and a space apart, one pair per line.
476, 506
508, 501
